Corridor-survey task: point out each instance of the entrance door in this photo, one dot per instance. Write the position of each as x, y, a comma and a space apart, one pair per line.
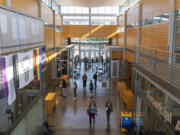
115, 69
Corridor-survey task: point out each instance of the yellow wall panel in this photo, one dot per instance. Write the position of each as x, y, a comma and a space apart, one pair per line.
49, 37
82, 30
131, 38
151, 8
155, 36
177, 4
129, 56
58, 39
117, 55
46, 14
121, 39
3, 2
30, 7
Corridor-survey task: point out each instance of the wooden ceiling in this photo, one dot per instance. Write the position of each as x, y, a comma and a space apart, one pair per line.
88, 31
90, 3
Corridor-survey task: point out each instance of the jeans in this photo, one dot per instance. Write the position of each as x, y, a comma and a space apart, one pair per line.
91, 116
75, 94
108, 116
95, 82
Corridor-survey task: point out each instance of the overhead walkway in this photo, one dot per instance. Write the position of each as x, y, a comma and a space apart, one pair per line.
163, 68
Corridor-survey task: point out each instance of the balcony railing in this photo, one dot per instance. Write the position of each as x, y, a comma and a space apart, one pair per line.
164, 64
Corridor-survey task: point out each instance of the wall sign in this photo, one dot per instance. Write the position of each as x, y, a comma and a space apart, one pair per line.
160, 108
25, 68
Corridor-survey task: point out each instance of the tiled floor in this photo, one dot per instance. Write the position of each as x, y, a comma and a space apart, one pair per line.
70, 117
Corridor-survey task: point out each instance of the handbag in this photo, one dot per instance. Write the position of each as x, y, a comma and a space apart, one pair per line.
88, 111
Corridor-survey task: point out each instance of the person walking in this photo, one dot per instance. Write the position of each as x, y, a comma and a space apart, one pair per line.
75, 90
84, 78
95, 79
64, 87
91, 89
109, 109
92, 112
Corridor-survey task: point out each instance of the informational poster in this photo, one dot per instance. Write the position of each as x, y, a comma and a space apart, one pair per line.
7, 78
25, 68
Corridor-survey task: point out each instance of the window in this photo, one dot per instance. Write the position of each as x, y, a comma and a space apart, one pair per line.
103, 20
156, 20
76, 20
74, 10
105, 10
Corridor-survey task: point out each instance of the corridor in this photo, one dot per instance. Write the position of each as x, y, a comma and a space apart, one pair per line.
70, 115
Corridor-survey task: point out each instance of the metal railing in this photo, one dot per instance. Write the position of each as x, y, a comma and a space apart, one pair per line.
164, 64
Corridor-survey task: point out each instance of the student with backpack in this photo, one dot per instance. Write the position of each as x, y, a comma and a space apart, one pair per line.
92, 112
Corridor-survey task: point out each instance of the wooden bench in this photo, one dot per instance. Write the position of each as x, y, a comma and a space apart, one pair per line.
129, 99
50, 102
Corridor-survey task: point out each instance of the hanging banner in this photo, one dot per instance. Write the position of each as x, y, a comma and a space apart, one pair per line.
38, 60
7, 78
25, 68
43, 56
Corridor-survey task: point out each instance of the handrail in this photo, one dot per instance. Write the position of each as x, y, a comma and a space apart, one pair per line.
19, 50
168, 52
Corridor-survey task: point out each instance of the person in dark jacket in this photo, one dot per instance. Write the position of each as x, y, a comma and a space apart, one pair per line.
75, 90
84, 79
95, 79
109, 110
91, 89
64, 87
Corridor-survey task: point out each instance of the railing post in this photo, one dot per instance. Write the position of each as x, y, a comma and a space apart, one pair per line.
155, 61
143, 58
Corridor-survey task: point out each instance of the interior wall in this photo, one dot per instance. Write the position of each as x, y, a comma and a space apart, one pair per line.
58, 20
155, 36
129, 56
117, 55
177, 5
131, 38
96, 31
58, 39
121, 20
30, 7
151, 8
121, 39
49, 37
3, 2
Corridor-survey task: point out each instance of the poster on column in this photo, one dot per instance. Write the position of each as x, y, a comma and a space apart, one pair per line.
25, 68
7, 79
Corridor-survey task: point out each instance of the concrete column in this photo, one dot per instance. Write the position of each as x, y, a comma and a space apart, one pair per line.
139, 33
124, 48
8, 3
171, 30
89, 16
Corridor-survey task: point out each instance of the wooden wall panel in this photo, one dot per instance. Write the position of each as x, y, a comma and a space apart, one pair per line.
74, 31
30, 7
3, 2
155, 36
117, 55
58, 39
129, 56
46, 14
58, 20
177, 5
121, 39
132, 15
49, 37
153, 8
131, 38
